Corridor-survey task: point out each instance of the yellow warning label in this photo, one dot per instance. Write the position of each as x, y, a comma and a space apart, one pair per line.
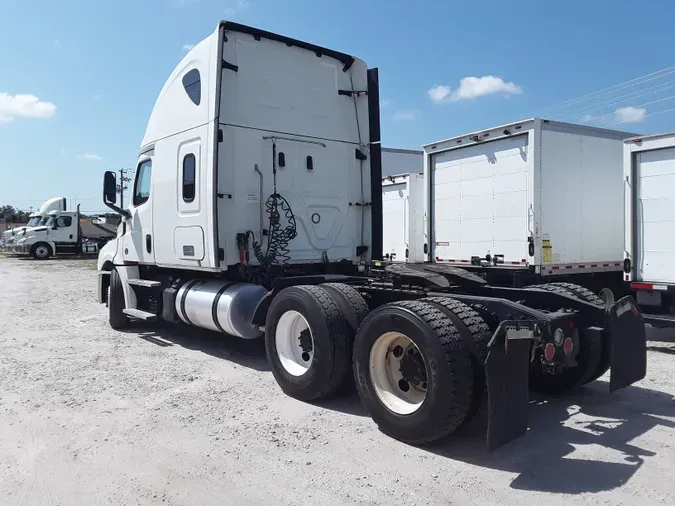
546, 251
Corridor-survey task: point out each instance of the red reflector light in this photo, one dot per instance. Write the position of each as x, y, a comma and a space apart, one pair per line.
568, 345
571, 324
549, 351
642, 286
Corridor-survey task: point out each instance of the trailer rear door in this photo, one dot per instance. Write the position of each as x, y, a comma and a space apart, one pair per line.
480, 201
655, 215
395, 220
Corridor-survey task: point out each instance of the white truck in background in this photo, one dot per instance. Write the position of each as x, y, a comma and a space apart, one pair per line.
649, 206
61, 234
403, 235
530, 202
39, 218
256, 211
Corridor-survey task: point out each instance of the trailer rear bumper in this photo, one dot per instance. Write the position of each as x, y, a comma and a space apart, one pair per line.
507, 367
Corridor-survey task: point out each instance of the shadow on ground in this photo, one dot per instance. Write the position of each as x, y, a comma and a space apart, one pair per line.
544, 458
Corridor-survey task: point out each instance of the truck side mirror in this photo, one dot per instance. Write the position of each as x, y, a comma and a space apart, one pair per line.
109, 187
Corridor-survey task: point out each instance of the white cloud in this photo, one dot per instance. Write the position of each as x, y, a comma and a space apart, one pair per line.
385, 103
587, 118
406, 115
64, 151
234, 6
89, 156
630, 114
57, 42
96, 96
22, 105
187, 47
473, 87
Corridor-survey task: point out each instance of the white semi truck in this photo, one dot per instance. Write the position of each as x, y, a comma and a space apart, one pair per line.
530, 202
39, 218
649, 206
61, 234
256, 211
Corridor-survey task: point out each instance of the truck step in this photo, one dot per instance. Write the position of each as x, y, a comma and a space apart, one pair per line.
140, 314
144, 282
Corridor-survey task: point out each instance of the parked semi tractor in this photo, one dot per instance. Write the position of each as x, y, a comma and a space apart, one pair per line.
649, 205
10, 236
256, 211
61, 234
528, 203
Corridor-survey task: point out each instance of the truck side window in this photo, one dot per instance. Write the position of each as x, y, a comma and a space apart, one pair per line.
142, 188
189, 169
64, 221
193, 86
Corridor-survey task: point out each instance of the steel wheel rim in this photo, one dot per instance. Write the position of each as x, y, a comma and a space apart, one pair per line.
41, 251
386, 376
295, 359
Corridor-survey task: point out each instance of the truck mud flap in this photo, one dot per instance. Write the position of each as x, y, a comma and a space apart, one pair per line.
507, 371
628, 344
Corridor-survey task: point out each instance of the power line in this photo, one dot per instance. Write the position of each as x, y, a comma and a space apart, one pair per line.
626, 84
645, 116
618, 100
638, 106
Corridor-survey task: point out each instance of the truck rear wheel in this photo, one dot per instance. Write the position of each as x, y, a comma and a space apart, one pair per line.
476, 330
307, 343
588, 358
116, 304
412, 371
353, 309
41, 251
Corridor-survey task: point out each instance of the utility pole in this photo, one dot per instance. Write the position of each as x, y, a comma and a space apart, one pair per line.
123, 185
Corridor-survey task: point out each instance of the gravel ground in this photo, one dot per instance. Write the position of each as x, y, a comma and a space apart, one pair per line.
173, 415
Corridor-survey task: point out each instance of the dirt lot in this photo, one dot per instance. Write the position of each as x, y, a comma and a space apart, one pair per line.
178, 416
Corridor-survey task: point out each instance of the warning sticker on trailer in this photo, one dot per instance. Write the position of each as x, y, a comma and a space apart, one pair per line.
442, 243
546, 251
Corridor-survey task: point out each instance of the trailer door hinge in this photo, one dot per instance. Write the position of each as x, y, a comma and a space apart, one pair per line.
361, 250
230, 66
220, 135
349, 93
221, 254
360, 155
360, 203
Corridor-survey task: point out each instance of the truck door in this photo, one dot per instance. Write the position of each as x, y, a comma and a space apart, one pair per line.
655, 208
65, 231
138, 238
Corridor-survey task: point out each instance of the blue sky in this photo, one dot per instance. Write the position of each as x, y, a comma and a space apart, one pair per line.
78, 79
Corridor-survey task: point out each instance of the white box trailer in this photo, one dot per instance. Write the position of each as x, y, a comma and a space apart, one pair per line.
403, 217
649, 193
401, 161
529, 200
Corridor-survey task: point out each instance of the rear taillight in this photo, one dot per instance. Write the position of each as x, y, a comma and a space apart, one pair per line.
549, 352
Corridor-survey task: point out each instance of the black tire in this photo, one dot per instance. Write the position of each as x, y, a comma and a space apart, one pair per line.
447, 364
354, 309
470, 323
116, 304
41, 251
588, 360
605, 356
331, 347
581, 293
